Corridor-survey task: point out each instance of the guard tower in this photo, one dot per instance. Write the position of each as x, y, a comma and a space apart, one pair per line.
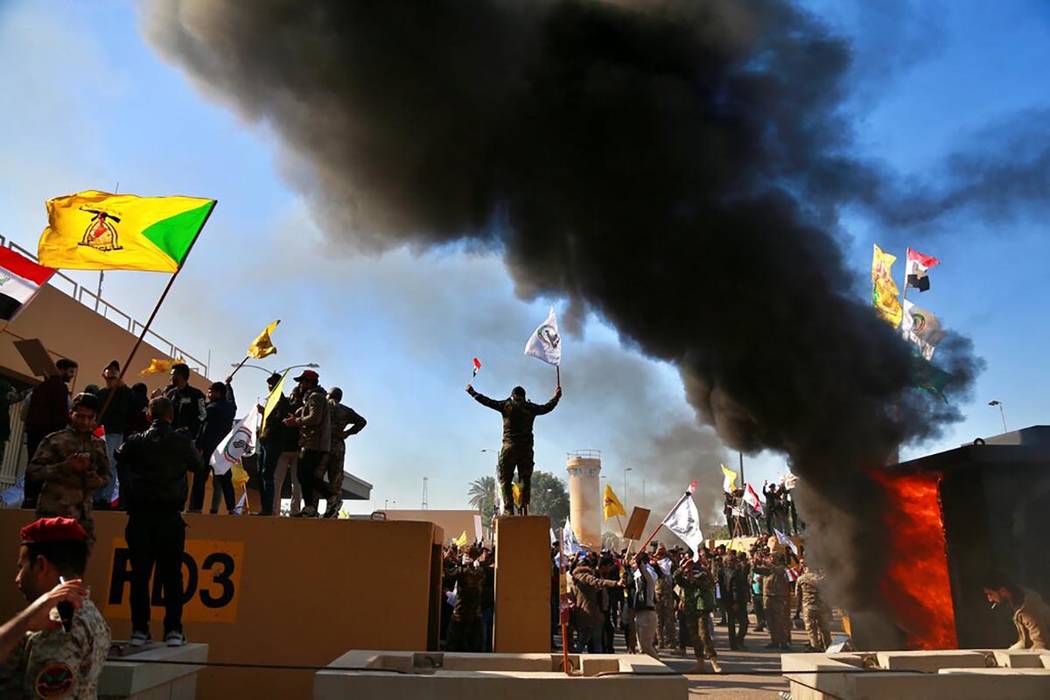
585, 499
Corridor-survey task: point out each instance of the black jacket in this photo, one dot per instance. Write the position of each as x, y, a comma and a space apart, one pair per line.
518, 416
274, 433
189, 409
218, 422
156, 463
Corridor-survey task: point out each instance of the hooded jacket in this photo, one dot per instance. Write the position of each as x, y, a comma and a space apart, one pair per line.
156, 463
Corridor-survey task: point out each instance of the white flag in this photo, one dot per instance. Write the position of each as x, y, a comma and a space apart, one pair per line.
239, 443
786, 541
684, 521
570, 545
921, 327
751, 498
545, 343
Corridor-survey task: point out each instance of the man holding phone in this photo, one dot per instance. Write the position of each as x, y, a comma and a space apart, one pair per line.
72, 463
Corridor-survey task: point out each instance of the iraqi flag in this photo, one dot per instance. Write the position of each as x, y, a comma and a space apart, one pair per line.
918, 264
20, 280
751, 498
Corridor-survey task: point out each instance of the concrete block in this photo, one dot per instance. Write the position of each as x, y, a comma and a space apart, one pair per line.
931, 661
1022, 658
128, 677
523, 585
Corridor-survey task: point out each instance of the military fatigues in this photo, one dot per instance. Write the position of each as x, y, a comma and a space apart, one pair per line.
1032, 620
815, 612
65, 492
667, 629
464, 629
59, 664
776, 595
516, 452
698, 602
342, 416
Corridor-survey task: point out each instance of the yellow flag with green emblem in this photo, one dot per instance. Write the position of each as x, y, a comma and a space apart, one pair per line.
884, 291
100, 231
611, 505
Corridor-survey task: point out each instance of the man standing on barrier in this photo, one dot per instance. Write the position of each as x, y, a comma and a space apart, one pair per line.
312, 418
157, 462
516, 453
345, 422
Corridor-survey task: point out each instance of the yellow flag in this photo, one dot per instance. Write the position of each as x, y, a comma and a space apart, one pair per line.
611, 505
884, 291
516, 490
461, 541
262, 346
158, 366
729, 480
101, 231
273, 398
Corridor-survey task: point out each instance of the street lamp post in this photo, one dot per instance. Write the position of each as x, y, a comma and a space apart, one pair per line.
626, 469
1002, 412
311, 365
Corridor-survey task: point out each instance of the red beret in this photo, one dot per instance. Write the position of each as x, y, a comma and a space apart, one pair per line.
53, 530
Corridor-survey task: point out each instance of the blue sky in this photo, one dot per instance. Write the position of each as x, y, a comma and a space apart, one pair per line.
91, 105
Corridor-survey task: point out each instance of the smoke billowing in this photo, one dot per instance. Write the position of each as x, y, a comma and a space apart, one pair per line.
674, 167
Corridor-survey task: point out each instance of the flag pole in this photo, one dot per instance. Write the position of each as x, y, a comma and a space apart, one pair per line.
153, 315
239, 365
563, 606
557, 374
673, 509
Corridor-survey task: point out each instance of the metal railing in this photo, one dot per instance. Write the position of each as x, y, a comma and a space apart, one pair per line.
13, 464
111, 313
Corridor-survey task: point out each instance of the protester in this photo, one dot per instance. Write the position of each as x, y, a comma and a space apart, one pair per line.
665, 601
70, 465
468, 579
815, 612
219, 413
48, 412
157, 463
517, 450
345, 422
39, 615
590, 618
312, 419
53, 662
776, 594
119, 403
735, 594
1031, 615
188, 401
137, 420
278, 444
645, 604
695, 608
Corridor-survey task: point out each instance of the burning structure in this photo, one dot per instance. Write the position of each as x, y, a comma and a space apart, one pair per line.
952, 519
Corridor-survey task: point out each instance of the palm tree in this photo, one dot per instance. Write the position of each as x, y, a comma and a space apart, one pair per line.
482, 495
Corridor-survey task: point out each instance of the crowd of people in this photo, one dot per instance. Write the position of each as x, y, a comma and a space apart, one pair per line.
659, 600
754, 518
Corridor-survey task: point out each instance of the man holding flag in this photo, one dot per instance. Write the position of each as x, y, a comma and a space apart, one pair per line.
516, 452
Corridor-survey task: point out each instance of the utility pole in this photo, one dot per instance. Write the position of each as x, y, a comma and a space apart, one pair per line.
743, 483
424, 493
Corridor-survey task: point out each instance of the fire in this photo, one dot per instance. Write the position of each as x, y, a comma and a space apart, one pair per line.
917, 583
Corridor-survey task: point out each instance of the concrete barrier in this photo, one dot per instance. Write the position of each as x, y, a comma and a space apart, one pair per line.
138, 676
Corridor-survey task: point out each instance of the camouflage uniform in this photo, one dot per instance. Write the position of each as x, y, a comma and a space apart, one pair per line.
815, 612
65, 492
464, 629
342, 416
59, 664
776, 595
667, 627
517, 450
698, 602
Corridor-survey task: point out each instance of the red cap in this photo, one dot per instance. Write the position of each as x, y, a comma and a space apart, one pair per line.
53, 530
307, 374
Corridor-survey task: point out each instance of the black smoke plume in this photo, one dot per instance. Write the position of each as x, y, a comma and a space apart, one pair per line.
673, 167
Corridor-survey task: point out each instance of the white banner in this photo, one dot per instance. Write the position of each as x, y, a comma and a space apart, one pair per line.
545, 343
239, 443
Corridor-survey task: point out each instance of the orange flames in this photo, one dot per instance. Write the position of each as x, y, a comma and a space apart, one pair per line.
917, 582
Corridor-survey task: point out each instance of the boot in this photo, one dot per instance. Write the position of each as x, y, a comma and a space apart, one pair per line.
715, 666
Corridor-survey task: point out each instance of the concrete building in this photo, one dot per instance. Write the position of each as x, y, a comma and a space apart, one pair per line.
585, 498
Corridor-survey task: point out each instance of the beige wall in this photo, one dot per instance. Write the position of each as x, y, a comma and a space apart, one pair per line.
275, 591
453, 522
67, 328
523, 585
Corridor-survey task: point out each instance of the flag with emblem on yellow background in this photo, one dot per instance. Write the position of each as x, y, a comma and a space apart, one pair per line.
461, 541
611, 505
515, 491
95, 230
158, 366
884, 291
262, 346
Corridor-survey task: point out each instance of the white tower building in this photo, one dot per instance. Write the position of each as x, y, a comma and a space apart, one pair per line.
585, 498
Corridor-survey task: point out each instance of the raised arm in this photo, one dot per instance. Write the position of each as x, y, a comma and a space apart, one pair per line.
591, 580
484, 400
540, 409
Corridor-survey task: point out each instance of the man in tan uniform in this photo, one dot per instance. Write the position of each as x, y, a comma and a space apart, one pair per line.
776, 594
1031, 613
815, 612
